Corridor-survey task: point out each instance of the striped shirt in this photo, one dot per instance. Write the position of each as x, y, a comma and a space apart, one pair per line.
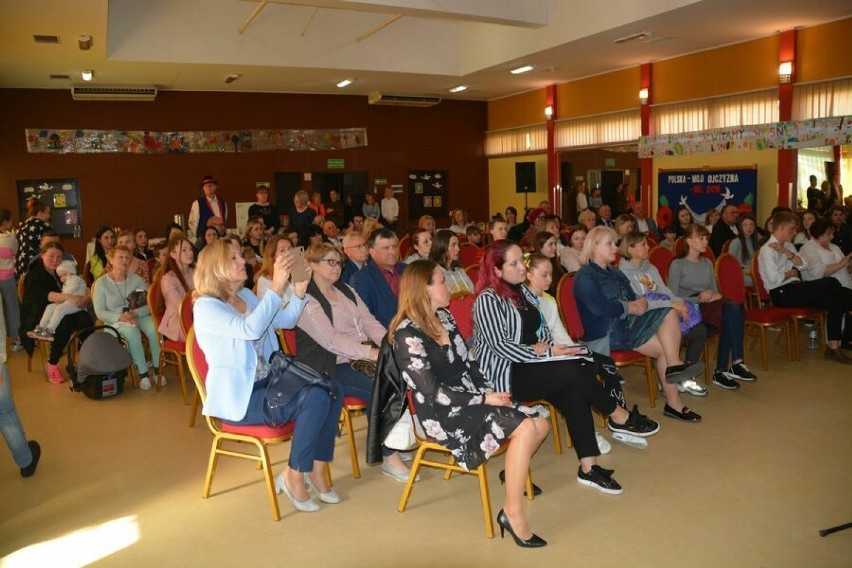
496, 342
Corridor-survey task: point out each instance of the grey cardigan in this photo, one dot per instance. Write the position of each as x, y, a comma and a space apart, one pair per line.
647, 279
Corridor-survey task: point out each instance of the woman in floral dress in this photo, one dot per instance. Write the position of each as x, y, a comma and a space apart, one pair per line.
455, 402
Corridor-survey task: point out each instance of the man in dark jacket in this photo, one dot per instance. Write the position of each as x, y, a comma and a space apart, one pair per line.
378, 282
725, 229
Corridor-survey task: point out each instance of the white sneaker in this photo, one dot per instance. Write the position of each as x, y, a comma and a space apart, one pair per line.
16, 346
603, 445
163, 381
691, 387
145, 383
630, 440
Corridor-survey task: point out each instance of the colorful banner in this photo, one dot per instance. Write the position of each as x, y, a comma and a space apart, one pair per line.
836, 131
703, 189
46, 141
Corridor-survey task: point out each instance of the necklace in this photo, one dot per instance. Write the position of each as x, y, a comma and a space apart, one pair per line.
123, 292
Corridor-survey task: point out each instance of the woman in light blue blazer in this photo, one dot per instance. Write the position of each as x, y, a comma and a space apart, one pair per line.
236, 331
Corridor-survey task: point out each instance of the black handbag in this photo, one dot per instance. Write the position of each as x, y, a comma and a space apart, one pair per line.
289, 379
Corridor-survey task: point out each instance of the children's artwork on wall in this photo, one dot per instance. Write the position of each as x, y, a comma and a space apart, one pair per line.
427, 190
56, 141
63, 197
701, 190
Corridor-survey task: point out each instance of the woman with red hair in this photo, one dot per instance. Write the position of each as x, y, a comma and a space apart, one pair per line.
515, 349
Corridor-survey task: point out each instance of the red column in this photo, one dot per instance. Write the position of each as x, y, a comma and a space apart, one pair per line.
646, 165
552, 154
787, 159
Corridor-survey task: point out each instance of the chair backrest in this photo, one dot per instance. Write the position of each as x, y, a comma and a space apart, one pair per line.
710, 255
467, 254
762, 294
661, 258
21, 289
617, 260
155, 294
461, 306
727, 246
287, 339
87, 273
404, 246
197, 363
729, 275
679, 245
473, 273
185, 314
568, 307
652, 240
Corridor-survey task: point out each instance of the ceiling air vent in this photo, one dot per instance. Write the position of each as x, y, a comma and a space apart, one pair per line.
113, 92
61, 77
46, 38
423, 101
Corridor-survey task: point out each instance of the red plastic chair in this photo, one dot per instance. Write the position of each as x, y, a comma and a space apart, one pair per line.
661, 258
468, 254
797, 315
352, 405
574, 325
260, 436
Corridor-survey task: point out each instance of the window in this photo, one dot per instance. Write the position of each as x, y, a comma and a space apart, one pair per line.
760, 107
601, 130
516, 140
822, 100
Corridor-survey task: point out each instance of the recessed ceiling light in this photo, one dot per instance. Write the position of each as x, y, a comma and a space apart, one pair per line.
523, 69
345, 83
87, 74
458, 89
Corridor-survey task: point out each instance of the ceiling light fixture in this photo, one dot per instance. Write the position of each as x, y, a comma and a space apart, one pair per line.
232, 77
523, 69
458, 89
345, 83
632, 37
87, 74
84, 42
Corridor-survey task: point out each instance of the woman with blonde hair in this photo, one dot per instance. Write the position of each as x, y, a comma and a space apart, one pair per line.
427, 222
236, 331
276, 246
588, 219
253, 238
454, 401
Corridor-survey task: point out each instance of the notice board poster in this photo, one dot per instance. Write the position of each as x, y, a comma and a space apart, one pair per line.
703, 189
63, 197
427, 193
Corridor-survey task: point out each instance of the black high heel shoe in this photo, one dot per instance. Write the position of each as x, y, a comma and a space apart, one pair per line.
536, 488
534, 541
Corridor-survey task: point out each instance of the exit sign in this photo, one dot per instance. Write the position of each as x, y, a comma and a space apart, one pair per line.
335, 163
608, 162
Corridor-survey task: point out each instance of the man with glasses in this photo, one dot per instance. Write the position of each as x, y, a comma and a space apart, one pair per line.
355, 255
378, 282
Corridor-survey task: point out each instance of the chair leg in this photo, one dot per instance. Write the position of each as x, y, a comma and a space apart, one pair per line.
797, 350
211, 467
182, 376
346, 418
327, 473
763, 348
530, 490
409, 485
194, 410
554, 427
787, 333
486, 500
270, 482
652, 382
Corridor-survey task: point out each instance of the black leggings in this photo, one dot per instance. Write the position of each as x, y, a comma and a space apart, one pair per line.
64, 331
572, 388
826, 294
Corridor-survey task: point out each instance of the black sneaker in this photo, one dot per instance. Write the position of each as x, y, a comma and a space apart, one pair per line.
637, 424
36, 451
684, 372
600, 479
721, 379
741, 372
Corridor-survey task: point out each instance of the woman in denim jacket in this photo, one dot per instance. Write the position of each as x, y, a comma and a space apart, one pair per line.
614, 318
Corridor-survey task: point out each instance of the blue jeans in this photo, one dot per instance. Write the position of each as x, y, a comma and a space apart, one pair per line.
316, 424
10, 424
732, 336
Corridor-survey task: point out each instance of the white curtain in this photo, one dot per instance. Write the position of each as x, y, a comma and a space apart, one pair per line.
822, 100
516, 140
759, 107
601, 130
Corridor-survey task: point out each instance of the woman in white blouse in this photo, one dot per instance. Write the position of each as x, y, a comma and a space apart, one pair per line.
823, 257
570, 255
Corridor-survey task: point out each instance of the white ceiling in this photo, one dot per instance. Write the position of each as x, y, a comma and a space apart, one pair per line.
307, 46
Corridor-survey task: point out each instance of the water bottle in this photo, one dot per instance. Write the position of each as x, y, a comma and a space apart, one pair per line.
812, 335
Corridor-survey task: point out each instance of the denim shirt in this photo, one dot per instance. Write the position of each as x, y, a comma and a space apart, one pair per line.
602, 296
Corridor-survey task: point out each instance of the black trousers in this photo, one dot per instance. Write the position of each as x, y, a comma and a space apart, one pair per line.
572, 388
826, 294
64, 331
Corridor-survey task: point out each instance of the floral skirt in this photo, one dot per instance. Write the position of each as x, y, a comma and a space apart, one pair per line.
643, 328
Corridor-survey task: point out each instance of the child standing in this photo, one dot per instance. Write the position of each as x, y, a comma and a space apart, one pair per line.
8, 288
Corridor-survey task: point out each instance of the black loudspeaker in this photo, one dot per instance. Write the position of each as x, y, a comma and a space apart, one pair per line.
524, 177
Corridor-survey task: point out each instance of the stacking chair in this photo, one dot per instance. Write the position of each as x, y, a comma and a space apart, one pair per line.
185, 318
661, 258
171, 352
404, 246
653, 241
468, 254
426, 445
41, 345
729, 274
260, 436
797, 315
473, 272
571, 318
352, 405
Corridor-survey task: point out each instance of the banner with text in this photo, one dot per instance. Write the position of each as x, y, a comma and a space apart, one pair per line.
701, 190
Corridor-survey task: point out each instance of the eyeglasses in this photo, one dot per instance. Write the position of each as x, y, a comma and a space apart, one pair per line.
332, 262
361, 246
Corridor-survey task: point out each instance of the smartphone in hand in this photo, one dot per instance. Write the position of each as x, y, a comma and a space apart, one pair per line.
297, 271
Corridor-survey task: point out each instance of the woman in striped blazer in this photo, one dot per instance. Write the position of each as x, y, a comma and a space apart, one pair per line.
517, 353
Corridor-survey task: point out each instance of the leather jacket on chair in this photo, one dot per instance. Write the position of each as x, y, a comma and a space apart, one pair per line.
388, 403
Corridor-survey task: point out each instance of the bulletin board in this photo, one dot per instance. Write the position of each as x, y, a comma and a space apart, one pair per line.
427, 193
703, 189
63, 197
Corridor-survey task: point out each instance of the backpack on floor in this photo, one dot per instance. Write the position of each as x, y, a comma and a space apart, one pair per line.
98, 361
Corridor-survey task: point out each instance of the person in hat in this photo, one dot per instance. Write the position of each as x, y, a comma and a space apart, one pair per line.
263, 208
206, 206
